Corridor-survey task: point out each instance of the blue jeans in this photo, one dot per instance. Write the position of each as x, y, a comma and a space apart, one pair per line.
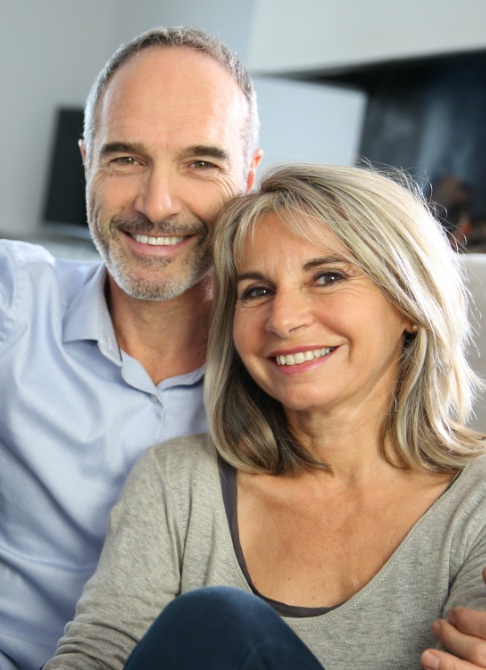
220, 628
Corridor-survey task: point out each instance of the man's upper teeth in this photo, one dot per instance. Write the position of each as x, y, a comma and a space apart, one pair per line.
157, 241
302, 356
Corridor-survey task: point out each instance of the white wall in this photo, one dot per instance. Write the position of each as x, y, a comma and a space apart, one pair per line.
308, 122
49, 51
229, 20
325, 34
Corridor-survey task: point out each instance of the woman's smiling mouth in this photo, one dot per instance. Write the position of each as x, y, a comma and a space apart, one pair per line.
303, 356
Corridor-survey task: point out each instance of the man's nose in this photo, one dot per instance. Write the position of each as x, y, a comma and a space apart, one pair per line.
157, 197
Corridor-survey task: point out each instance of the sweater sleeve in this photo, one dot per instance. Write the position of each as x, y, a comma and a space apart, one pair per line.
137, 576
463, 538
468, 559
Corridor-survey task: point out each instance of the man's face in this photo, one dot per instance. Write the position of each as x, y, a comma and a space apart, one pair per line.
169, 150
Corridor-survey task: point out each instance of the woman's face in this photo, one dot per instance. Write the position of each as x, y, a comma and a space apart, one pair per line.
314, 331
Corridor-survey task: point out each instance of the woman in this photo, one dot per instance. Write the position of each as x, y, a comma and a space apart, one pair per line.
339, 483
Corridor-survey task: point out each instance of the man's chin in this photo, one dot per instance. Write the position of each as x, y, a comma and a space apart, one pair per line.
156, 282
142, 289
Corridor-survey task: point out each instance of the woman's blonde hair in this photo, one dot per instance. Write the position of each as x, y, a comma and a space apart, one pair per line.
394, 238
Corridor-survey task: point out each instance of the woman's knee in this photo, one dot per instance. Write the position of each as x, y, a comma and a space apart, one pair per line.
217, 628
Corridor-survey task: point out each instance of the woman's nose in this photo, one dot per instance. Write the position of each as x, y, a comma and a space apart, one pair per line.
289, 313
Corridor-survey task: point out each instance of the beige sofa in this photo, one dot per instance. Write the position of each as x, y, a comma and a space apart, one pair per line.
475, 265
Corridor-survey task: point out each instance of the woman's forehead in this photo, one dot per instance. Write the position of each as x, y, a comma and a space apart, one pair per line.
272, 226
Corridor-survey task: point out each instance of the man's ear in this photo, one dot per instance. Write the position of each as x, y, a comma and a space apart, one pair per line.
255, 162
82, 148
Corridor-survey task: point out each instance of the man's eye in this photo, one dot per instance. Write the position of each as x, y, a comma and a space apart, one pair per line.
125, 160
203, 165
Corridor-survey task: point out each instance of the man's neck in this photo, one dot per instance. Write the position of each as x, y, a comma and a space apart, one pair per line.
168, 337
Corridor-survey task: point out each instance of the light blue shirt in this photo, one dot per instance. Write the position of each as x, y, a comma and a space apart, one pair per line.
75, 413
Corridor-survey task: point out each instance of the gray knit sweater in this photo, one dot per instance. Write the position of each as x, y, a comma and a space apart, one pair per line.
169, 534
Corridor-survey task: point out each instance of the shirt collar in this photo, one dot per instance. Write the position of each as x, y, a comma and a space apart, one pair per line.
87, 316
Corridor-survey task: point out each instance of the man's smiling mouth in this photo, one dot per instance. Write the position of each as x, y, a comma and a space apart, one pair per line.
162, 241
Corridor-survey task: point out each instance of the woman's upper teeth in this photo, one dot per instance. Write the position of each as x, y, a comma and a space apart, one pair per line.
302, 356
157, 241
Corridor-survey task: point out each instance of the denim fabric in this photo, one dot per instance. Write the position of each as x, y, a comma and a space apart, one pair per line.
220, 628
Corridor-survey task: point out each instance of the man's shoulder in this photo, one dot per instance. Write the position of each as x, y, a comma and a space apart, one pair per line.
27, 255
17, 257
32, 265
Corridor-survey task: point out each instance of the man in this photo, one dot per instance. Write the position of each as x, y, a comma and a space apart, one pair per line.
100, 361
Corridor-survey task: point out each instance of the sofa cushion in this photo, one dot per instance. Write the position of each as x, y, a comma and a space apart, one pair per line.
475, 266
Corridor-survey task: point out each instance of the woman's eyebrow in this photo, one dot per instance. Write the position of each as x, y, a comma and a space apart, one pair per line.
323, 260
250, 275
309, 265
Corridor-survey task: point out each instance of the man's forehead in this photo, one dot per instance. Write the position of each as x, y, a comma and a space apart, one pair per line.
169, 67
170, 91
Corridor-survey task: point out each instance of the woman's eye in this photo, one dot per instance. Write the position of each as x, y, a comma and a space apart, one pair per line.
328, 278
255, 292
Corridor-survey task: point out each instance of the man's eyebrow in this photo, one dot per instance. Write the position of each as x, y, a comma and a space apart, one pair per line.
208, 151
198, 150
122, 147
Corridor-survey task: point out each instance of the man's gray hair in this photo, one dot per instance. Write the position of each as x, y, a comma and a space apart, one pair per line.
171, 37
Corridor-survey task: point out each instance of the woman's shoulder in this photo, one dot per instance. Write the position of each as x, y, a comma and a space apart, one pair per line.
177, 473
474, 473
184, 447
181, 461
466, 495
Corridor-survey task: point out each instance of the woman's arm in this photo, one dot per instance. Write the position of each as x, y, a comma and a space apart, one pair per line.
463, 634
138, 574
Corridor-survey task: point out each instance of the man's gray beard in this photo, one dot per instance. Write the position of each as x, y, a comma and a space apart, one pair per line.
145, 289
152, 290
